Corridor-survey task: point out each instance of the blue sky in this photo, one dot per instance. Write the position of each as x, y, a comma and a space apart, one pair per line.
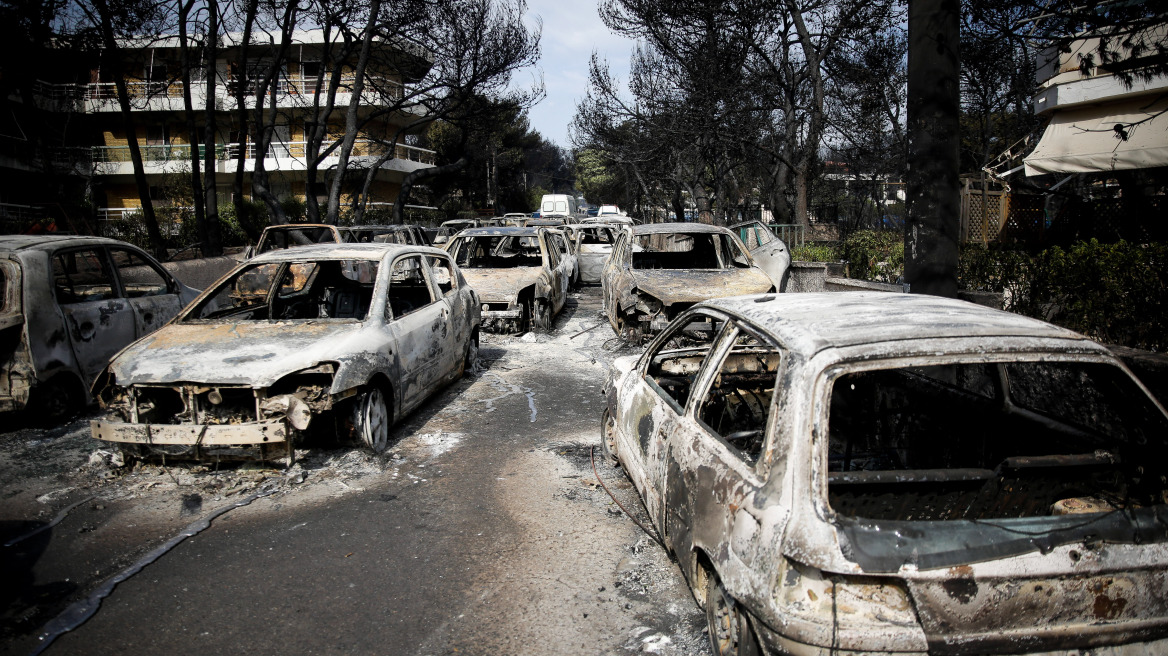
571, 31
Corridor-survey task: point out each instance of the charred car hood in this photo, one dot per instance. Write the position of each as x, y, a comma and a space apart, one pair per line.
501, 285
253, 354
693, 285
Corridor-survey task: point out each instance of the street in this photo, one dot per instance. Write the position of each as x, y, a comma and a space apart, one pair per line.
481, 530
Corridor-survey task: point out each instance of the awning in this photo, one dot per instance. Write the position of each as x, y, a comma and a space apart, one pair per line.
1084, 140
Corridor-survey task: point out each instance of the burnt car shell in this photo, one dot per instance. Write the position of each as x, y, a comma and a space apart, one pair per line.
519, 291
867, 473
650, 276
69, 303
242, 384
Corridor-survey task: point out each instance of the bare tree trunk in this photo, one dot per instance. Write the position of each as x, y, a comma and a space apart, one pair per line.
264, 126
184, 9
933, 206
241, 80
212, 241
334, 201
112, 58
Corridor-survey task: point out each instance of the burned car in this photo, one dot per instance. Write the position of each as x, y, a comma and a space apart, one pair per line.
769, 252
69, 304
593, 246
657, 270
385, 234
518, 273
294, 235
899, 474
364, 331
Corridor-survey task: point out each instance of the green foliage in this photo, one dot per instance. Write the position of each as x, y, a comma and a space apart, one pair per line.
294, 209
1114, 293
242, 230
816, 252
876, 255
535, 196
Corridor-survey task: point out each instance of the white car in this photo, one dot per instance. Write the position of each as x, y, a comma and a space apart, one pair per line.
362, 332
866, 473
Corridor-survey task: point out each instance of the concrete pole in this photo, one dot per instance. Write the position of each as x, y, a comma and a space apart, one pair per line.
934, 107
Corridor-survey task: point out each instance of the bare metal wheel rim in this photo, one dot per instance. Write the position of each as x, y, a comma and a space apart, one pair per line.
725, 621
374, 420
608, 437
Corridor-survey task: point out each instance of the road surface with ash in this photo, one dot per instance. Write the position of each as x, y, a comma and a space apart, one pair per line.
481, 530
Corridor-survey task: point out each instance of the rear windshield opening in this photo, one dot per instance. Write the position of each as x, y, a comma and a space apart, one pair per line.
993, 441
281, 239
687, 251
498, 252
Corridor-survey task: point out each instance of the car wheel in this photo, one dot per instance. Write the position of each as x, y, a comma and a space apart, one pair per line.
608, 438
472, 355
56, 401
730, 632
541, 317
371, 419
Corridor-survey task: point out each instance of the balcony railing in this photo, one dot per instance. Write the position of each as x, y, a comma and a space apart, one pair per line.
230, 151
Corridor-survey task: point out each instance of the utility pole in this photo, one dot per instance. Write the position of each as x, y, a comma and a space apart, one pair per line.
934, 108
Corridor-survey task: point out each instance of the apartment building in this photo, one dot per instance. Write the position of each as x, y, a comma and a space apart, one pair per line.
154, 82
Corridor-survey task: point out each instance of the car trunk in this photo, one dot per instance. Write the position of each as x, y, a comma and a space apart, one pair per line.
1023, 502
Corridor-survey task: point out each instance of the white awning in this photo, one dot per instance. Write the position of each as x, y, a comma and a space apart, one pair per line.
1084, 140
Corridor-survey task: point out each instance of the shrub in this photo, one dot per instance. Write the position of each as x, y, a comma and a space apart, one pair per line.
815, 252
1114, 293
875, 255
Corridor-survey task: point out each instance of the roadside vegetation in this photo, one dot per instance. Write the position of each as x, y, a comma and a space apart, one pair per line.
1113, 292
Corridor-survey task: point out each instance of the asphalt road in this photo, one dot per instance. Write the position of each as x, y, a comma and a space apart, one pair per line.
481, 531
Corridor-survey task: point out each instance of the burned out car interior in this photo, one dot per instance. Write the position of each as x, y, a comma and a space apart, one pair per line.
737, 404
320, 289
497, 252
702, 250
993, 441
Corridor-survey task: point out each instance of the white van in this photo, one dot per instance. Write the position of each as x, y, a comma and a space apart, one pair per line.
561, 204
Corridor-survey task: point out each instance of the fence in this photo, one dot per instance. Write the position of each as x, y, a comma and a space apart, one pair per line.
983, 214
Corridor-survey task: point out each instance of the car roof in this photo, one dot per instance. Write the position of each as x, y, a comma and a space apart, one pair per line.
812, 322
53, 242
501, 231
333, 251
665, 228
395, 227
299, 226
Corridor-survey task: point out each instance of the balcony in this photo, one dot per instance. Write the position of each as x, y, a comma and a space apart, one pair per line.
291, 92
280, 156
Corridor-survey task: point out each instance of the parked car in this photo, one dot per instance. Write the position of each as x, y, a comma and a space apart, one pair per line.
69, 304
606, 211
659, 269
567, 248
593, 211
899, 474
769, 252
515, 219
411, 235
593, 246
294, 235
517, 272
364, 332
452, 227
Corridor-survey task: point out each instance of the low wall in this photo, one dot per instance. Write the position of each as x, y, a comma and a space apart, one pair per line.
200, 273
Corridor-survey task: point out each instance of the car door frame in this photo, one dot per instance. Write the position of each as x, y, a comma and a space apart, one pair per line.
649, 434
699, 509
413, 356
112, 315
146, 307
